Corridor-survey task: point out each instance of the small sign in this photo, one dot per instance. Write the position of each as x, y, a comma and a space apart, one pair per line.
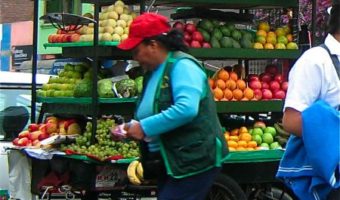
21, 54
109, 177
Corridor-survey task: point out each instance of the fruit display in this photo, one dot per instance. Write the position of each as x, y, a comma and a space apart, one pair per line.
269, 84
67, 35
52, 126
226, 86
192, 36
258, 137
270, 38
114, 21
135, 172
104, 148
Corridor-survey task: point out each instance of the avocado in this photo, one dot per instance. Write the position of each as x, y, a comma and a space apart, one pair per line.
225, 31
236, 34
215, 43
206, 25
245, 43
226, 42
235, 44
231, 27
205, 34
215, 22
248, 36
217, 34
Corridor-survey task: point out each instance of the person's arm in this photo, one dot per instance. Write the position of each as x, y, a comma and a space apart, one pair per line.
292, 121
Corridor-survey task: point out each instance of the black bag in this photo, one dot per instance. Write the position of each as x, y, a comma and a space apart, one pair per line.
152, 163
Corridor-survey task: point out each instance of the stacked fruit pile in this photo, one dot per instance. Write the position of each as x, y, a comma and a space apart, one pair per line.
52, 126
104, 148
114, 22
280, 38
192, 37
67, 35
257, 137
268, 85
227, 86
135, 172
65, 83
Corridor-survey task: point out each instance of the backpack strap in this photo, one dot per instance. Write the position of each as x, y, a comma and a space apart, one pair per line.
334, 58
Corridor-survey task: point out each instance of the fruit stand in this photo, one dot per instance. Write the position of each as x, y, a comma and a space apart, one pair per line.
249, 172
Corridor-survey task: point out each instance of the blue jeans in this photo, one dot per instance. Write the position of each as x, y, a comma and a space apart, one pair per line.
191, 188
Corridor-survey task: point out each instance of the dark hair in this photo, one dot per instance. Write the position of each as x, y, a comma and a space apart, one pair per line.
172, 41
334, 20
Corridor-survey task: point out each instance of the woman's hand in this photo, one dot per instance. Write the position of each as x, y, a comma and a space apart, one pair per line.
135, 131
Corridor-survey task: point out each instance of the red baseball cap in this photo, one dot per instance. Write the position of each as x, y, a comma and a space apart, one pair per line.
144, 26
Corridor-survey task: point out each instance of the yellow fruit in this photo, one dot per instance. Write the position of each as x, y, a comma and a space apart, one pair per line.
292, 45
261, 39
261, 33
271, 34
271, 40
286, 29
280, 46
280, 32
243, 129
264, 26
257, 45
269, 46
282, 39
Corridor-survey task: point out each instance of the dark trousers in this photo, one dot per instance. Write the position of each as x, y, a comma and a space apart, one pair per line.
334, 195
191, 188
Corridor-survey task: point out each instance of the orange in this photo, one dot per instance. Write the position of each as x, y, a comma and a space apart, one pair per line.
289, 37
252, 144
223, 74
261, 33
243, 129
218, 93
264, 26
228, 94
240, 149
232, 149
233, 138
231, 84
245, 137
269, 46
248, 93
224, 99
271, 34
238, 94
226, 136
220, 84
232, 144
241, 84
250, 149
244, 99
242, 144
211, 83
271, 40
234, 131
233, 76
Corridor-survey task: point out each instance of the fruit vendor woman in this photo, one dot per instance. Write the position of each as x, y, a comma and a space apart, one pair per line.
182, 142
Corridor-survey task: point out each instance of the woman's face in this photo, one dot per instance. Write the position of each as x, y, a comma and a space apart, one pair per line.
147, 55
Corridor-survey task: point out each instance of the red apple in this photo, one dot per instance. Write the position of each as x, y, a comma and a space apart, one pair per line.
64, 38
50, 38
279, 94
42, 136
195, 44
33, 127
265, 77
34, 135
265, 85
23, 134
284, 86
253, 77
260, 124
274, 85
190, 28
271, 69
206, 45
267, 94
187, 37
23, 142
197, 36
258, 94
15, 141
278, 78
178, 25
255, 84
42, 128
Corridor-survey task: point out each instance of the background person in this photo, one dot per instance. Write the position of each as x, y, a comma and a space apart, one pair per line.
176, 114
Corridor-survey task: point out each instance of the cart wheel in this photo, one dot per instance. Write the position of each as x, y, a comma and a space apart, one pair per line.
225, 188
278, 194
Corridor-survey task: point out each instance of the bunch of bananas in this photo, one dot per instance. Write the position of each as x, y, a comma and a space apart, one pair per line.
135, 172
282, 135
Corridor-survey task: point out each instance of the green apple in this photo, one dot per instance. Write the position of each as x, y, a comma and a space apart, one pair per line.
270, 130
275, 145
257, 131
280, 46
267, 138
292, 45
282, 39
264, 146
257, 139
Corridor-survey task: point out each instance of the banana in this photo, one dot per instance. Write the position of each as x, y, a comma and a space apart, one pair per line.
281, 131
131, 172
140, 171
